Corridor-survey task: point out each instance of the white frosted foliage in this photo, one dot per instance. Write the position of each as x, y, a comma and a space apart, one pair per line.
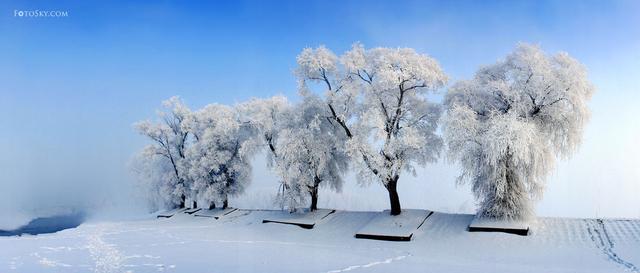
161, 164
198, 155
508, 124
219, 154
301, 144
377, 98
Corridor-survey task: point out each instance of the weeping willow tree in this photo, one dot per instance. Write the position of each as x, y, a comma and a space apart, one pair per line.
508, 125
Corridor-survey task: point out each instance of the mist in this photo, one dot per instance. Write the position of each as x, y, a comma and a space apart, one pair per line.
45, 177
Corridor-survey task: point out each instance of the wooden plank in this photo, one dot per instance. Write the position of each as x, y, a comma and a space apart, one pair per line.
215, 213
169, 213
498, 225
304, 220
192, 210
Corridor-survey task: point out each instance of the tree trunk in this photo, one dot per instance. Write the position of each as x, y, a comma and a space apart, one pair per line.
314, 193
394, 200
182, 201
212, 205
225, 203
195, 205
314, 199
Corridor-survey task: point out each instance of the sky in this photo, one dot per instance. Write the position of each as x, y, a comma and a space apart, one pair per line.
71, 88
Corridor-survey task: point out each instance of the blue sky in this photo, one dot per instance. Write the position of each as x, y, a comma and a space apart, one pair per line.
71, 87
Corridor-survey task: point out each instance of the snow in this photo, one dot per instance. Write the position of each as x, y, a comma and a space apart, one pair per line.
241, 243
394, 227
304, 219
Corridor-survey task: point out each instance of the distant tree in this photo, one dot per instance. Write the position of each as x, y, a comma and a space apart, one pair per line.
378, 97
310, 152
507, 125
218, 162
302, 147
165, 158
267, 118
155, 179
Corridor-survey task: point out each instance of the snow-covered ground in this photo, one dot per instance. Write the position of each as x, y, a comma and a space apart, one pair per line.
242, 243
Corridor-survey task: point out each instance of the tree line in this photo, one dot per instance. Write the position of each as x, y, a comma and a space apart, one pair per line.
369, 111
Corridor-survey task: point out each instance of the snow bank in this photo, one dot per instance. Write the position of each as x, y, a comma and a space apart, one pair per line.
394, 227
301, 219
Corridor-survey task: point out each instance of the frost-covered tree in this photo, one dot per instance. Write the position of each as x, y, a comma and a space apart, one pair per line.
379, 98
267, 118
165, 158
302, 147
310, 153
155, 179
217, 159
507, 125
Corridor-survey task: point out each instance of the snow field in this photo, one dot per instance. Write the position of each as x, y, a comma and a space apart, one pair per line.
241, 243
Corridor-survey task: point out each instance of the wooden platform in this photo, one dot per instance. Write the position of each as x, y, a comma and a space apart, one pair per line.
192, 210
497, 225
394, 228
169, 213
215, 213
304, 220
